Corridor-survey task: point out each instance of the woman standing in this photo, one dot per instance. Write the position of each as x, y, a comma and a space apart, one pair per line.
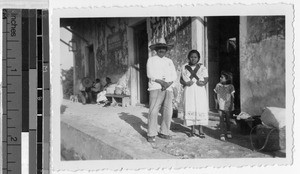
194, 77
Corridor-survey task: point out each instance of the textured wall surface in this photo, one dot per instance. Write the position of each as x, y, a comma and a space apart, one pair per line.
262, 64
109, 40
177, 31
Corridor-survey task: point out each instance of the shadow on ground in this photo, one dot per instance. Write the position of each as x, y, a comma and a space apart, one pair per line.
63, 108
240, 141
135, 122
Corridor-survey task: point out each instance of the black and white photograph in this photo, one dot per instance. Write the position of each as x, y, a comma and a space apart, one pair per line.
173, 86
176, 86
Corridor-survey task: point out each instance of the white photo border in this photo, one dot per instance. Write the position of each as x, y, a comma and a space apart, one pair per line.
176, 10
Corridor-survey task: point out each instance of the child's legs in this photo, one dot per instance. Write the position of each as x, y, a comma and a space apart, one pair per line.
227, 119
222, 121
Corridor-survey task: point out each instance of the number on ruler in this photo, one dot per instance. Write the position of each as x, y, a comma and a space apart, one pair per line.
40, 98
13, 138
45, 68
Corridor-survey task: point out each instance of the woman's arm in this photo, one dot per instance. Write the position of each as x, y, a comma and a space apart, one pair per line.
216, 99
203, 75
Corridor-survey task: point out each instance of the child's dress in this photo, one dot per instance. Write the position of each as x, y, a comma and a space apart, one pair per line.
224, 96
195, 97
101, 97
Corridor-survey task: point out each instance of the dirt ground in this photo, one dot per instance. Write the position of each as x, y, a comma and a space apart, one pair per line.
127, 126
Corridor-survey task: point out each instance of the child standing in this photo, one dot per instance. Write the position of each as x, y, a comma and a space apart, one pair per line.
224, 97
194, 77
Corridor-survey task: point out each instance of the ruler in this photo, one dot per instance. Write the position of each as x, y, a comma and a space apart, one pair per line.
26, 84
12, 91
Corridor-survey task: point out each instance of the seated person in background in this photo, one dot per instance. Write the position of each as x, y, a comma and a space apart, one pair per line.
108, 82
83, 94
95, 90
101, 98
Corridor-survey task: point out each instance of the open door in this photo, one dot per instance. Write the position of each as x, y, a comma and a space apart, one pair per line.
141, 54
223, 54
91, 62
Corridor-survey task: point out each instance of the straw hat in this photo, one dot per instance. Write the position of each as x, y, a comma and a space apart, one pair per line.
161, 43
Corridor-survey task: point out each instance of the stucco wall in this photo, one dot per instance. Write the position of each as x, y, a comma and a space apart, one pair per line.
262, 63
109, 40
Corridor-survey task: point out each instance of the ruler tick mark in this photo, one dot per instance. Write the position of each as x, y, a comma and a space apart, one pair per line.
14, 75
14, 144
13, 109
11, 162
12, 40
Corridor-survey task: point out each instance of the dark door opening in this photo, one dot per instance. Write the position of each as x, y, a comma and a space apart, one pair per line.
223, 54
141, 54
91, 62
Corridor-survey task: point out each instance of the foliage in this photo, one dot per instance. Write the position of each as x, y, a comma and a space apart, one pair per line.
67, 82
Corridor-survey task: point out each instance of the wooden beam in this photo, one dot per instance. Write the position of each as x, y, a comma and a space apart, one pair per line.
78, 35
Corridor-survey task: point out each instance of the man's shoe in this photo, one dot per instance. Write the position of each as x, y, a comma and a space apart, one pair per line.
168, 137
151, 139
201, 135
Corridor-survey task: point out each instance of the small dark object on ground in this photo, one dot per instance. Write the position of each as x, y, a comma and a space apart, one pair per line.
247, 124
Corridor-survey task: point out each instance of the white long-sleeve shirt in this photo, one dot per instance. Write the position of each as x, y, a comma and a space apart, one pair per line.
160, 68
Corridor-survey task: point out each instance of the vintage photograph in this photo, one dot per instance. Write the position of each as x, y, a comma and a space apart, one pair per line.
176, 87
136, 88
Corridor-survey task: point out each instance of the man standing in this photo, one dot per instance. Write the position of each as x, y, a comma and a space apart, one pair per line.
161, 73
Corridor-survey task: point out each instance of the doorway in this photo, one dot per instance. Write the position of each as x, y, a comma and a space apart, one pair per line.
91, 62
223, 54
141, 57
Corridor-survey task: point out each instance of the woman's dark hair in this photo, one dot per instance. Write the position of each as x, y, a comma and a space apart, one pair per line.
228, 76
193, 51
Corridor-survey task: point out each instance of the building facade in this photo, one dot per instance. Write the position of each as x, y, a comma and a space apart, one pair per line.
252, 48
